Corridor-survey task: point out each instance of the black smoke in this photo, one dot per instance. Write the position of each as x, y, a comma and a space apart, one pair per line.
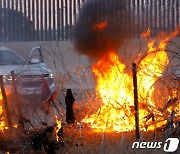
94, 42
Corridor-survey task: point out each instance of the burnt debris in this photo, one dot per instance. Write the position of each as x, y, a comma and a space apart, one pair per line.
44, 140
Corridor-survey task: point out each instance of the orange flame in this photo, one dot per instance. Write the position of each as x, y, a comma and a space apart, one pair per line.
146, 34
58, 127
100, 26
2, 119
115, 88
15, 125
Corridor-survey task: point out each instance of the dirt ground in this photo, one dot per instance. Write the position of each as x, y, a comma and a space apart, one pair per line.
84, 140
81, 139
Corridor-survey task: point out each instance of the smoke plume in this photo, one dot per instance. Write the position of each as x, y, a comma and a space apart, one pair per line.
102, 26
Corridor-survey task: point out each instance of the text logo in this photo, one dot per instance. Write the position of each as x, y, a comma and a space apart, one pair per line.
170, 145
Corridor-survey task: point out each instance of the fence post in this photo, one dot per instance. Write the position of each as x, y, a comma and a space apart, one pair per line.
6, 107
1, 21
49, 30
33, 20
25, 30
45, 21
58, 20
173, 19
70, 18
54, 20
66, 20
62, 20
16, 97
134, 69
177, 14
37, 20
12, 16
21, 27
41, 22
29, 19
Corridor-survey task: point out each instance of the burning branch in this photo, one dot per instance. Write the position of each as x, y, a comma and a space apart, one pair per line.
114, 86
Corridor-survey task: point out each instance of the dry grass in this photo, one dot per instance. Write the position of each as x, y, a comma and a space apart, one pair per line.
84, 140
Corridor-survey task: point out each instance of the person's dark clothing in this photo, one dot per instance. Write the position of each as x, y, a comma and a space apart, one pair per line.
69, 99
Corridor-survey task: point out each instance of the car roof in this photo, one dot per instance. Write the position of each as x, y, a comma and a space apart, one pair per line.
4, 48
8, 49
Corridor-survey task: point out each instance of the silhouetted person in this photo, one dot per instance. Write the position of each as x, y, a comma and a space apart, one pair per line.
69, 99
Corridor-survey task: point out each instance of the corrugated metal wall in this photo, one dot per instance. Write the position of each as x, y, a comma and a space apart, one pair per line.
44, 20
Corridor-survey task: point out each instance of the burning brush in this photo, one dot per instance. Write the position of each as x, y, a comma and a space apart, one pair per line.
115, 88
50, 139
100, 38
3, 125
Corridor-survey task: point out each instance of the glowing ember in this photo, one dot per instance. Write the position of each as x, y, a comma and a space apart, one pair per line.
58, 127
2, 124
15, 125
2, 119
146, 34
115, 88
100, 26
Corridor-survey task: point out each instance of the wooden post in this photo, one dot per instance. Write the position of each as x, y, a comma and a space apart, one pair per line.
6, 107
16, 96
134, 69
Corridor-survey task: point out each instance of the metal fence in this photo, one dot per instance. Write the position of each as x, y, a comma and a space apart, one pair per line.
44, 20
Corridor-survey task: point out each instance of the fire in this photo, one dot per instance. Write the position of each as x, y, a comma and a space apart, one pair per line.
2, 118
58, 127
146, 34
100, 26
115, 88
15, 125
